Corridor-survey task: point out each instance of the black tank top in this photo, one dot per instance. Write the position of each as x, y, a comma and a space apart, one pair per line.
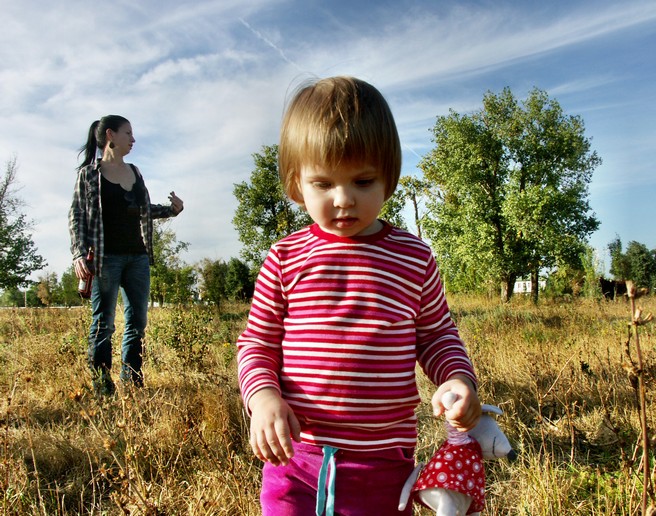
121, 220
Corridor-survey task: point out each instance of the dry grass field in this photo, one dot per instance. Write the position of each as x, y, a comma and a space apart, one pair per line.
562, 372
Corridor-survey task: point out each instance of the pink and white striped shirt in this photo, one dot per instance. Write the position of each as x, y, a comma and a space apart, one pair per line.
337, 326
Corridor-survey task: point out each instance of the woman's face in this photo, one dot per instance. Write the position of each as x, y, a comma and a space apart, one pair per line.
122, 139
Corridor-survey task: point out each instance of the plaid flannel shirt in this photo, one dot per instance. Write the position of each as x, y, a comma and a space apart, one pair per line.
85, 223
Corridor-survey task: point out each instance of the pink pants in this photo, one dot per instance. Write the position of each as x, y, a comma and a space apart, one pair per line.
366, 484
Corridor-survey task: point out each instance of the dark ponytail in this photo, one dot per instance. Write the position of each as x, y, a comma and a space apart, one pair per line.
97, 137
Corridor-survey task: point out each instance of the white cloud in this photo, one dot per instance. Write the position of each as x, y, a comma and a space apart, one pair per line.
204, 84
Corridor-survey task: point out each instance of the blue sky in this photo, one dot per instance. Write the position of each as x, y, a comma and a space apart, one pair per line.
204, 84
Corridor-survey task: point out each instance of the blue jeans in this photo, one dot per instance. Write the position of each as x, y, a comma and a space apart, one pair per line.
130, 273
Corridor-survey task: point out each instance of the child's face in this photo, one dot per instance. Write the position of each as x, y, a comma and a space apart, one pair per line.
344, 201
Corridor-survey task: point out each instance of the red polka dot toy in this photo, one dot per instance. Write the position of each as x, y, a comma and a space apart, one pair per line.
453, 482
456, 466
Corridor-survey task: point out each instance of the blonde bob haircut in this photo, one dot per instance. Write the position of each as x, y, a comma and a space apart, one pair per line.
338, 120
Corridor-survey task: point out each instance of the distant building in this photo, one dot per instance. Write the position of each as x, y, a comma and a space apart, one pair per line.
526, 286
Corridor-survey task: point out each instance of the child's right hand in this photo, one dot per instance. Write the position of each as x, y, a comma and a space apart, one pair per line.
273, 426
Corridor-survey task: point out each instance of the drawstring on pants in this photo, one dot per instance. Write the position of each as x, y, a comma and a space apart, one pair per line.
323, 501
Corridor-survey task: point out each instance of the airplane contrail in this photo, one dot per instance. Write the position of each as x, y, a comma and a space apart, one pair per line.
259, 35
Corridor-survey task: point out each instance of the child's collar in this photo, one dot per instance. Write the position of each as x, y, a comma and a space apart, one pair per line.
330, 237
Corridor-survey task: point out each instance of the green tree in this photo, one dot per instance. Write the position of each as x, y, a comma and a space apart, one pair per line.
642, 265
264, 214
509, 191
239, 284
392, 210
18, 256
31, 295
182, 289
213, 279
593, 271
68, 287
12, 297
169, 277
637, 264
619, 266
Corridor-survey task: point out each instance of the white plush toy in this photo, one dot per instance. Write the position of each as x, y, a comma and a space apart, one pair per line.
452, 483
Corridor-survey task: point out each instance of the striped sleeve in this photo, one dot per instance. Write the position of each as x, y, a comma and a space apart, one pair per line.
260, 345
440, 350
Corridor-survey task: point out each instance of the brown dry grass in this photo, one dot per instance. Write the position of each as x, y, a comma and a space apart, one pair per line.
180, 445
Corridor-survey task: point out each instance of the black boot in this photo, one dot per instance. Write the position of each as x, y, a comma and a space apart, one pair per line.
103, 385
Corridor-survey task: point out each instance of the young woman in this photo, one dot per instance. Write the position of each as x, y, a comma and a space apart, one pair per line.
111, 213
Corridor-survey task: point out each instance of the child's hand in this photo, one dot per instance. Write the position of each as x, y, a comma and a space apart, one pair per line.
466, 411
273, 426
